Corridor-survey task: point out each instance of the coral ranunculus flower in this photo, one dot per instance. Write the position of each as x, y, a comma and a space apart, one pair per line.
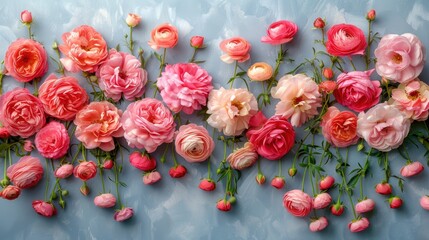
53, 140
297, 203
163, 36
280, 32
345, 40
235, 49
339, 128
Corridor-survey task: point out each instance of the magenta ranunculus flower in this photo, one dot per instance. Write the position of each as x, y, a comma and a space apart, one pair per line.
384, 127
357, 91
194, 143
345, 40
299, 98
97, 124
122, 74
400, 58
280, 32
297, 203
26, 173
231, 109
53, 140
148, 124
412, 98
184, 87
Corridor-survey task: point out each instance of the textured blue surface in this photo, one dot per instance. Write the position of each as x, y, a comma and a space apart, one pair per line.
177, 209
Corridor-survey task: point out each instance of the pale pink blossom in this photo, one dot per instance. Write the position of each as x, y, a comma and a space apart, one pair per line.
321, 200
358, 225
231, 109
318, 224
26, 173
297, 203
244, 157
364, 206
133, 19
194, 143
64, 171
412, 169
122, 74
412, 98
123, 214
151, 177
400, 58
53, 140
105, 200
299, 98
184, 87
384, 127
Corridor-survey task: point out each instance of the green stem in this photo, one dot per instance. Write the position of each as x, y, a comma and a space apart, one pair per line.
30, 35
386, 167
259, 167
208, 169
83, 152
303, 179
323, 36
299, 147
161, 67
368, 49
116, 171
131, 44
193, 55
174, 156
101, 171
36, 88
353, 65
1, 83
47, 180
57, 183
164, 153
235, 74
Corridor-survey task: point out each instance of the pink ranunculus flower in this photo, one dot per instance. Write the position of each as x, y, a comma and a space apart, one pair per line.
123, 214
280, 32
424, 202
383, 188
26, 173
322, 200
184, 87
3, 131
357, 91
105, 200
26, 60
358, 225
163, 36
133, 19
297, 203
384, 127
274, 139
10, 192
28, 145
62, 97
318, 224
122, 74
400, 58
339, 128
235, 49
45, 209
345, 40
64, 171
194, 143
26, 17
231, 109
243, 157
327, 87
364, 206
177, 171
197, 41
412, 169
148, 124
207, 185
97, 124
85, 170
52, 141
299, 98
412, 98
84, 49
223, 205
326, 182
151, 177
142, 161
21, 113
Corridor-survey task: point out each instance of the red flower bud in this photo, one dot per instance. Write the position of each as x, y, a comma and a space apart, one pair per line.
207, 185
84, 189
177, 172
26, 17
326, 183
260, 179
10, 192
337, 209
197, 41
383, 188
278, 182
108, 164
328, 73
223, 205
371, 15
319, 23
395, 202
292, 171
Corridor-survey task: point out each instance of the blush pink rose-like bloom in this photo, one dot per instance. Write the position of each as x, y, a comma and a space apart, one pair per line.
274, 139
244, 157
345, 40
339, 128
322, 200
299, 98
25, 173
412, 169
400, 58
148, 124
122, 73
26, 17
412, 98
194, 143
280, 32
52, 141
85, 49
21, 113
45, 209
318, 224
97, 124
151, 177
297, 203
64, 171
133, 19
85, 170
197, 41
28, 145
142, 161
105, 200
260, 71
231, 109
235, 49
10, 192
184, 87
164, 36
364, 206
358, 225
384, 127
62, 97
26, 60
424, 202
123, 214
356, 91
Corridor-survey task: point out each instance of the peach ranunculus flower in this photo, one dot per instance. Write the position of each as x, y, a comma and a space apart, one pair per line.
25, 173
62, 97
122, 73
26, 60
163, 36
280, 32
148, 124
297, 203
21, 113
260, 71
412, 98
194, 143
384, 127
345, 40
133, 19
85, 170
231, 109
400, 58
85, 49
299, 98
97, 124
243, 157
52, 141
339, 128
235, 49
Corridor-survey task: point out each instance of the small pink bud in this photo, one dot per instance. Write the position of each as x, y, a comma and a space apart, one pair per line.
383, 188
292, 171
424, 202
84, 189
364, 206
327, 87
260, 178
26, 17
28, 146
108, 164
337, 209
358, 225
319, 23
133, 20
395, 202
328, 73
326, 183
278, 182
64, 171
371, 15
151, 178
197, 41
3, 132
177, 172
207, 185
319, 224
412, 169
223, 205
322, 200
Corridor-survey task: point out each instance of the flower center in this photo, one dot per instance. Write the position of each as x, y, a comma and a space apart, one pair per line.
413, 95
297, 101
397, 58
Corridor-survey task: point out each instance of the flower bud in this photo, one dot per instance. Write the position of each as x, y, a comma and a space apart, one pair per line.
383, 188
327, 87
364, 206
151, 178
322, 200
108, 164
142, 161
260, 178
395, 202
28, 146
232, 200
123, 214
223, 205
318, 224
292, 171
54, 45
278, 182
412, 169
26, 17
319, 23
62, 203
328, 73
133, 20
84, 189
337, 209
64, 193
3, 132
207, 185
197, 41
177, 172
371, 15
326, 183
4, 182
45, 209
424, 202
10, 192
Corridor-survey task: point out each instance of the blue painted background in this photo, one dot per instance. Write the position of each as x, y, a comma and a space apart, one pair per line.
177, 209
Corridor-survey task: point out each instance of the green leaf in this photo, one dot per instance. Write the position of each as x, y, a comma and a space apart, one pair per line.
353, 181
